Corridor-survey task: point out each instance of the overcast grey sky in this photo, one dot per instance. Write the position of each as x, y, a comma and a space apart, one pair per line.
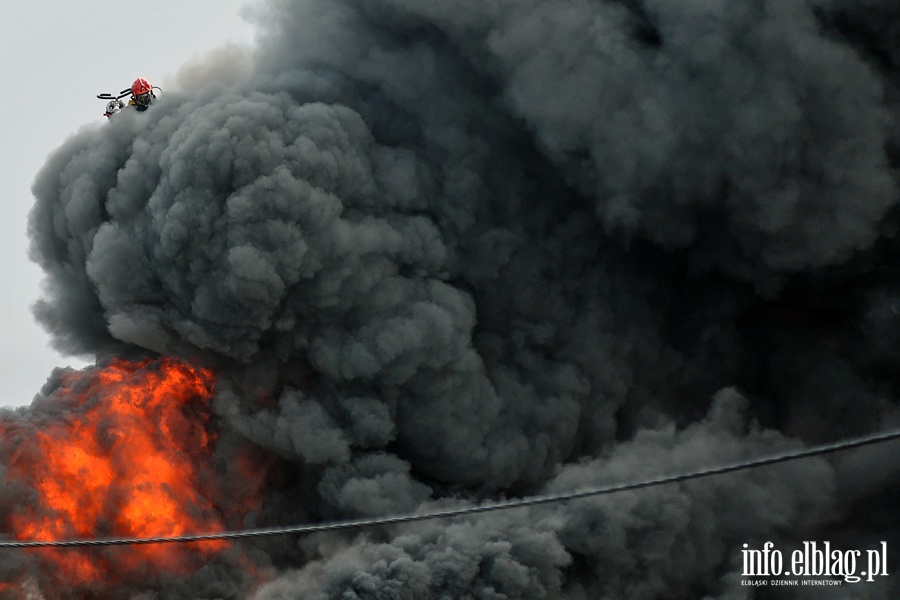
57, 57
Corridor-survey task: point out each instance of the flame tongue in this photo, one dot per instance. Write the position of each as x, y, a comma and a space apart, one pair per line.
123, 458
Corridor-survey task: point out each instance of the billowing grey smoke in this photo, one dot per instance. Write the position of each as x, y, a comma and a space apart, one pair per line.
445, 252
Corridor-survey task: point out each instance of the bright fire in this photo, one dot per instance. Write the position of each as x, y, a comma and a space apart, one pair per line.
123, 455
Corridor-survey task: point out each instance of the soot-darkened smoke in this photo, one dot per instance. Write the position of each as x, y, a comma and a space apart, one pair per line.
439, 253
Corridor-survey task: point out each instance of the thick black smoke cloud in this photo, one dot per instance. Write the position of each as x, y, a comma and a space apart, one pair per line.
440, 253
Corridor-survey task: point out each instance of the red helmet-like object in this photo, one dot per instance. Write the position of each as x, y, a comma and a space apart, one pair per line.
141, 86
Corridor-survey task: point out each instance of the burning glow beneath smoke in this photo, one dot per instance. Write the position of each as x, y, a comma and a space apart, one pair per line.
122, 459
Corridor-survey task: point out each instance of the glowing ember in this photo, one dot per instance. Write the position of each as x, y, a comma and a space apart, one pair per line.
123, 457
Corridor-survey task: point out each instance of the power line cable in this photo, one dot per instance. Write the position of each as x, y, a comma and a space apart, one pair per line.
839, 446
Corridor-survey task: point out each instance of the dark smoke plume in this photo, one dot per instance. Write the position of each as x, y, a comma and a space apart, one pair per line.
440, 253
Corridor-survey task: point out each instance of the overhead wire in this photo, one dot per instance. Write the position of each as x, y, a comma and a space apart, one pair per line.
529, 501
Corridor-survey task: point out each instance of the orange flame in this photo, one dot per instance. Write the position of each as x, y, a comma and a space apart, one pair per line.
123, 457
